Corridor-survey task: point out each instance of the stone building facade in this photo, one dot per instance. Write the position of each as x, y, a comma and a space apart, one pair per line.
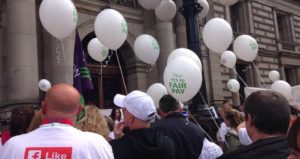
29, 53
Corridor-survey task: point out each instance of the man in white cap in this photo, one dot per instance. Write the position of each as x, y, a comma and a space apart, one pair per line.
140, 141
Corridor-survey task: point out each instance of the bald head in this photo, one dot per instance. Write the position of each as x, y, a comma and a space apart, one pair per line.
62, 101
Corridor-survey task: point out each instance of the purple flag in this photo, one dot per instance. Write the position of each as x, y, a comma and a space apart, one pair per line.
81, 74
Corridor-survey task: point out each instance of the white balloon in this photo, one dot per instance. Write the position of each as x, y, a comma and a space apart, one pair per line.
182, 78
156, 91
149, 4
217, 35
274, 75
282, 87
233, 85
111, 28
166, 10
97, 51
59, 17
228, 2
146, 48
44, 85
245, 47
205, 10
187, 53
228, 59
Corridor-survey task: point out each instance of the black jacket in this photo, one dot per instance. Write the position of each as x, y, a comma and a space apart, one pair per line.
268, 148
187, 136
144, 143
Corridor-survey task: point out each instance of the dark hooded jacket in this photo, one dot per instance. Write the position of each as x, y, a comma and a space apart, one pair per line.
145, 143
187, 136
268, 148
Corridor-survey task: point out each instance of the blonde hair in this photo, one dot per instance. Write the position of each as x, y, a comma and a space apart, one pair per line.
223, 109
234, 117
93, 121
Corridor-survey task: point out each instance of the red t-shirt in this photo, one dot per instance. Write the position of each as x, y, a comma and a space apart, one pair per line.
5, 136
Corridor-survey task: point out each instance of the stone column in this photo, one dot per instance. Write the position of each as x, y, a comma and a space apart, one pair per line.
22, 65
62, 69
136, 77
149, 22
282, 72
149, 28
2, 69
165, 38
297, 75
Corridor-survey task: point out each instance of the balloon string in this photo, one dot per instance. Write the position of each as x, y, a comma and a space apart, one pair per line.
101, 69
63, 50
259, 75
101, 78
150, 68
212, 117
58, 54
64, 59
121, 72
60, 50
240, 77
251, 74
108, 58
201, 128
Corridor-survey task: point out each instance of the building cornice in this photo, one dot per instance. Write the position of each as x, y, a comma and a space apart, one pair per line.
95, 7
283, 5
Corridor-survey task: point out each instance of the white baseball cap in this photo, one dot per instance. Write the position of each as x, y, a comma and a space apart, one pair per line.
137, 103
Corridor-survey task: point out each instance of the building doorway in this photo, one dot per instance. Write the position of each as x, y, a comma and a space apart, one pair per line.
106, 84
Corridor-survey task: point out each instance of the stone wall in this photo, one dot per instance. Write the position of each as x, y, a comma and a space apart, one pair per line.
272, 56
264, 26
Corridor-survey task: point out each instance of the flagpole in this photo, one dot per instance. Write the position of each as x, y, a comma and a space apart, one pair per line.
101, 78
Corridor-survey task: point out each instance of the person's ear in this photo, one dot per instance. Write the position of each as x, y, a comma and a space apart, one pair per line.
163, 114
79, 109
249, 121
131, 118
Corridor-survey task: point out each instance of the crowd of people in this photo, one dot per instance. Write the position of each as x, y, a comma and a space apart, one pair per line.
265, 129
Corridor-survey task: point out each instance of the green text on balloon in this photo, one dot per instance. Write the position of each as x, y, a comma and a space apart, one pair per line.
177, 84
182, 78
